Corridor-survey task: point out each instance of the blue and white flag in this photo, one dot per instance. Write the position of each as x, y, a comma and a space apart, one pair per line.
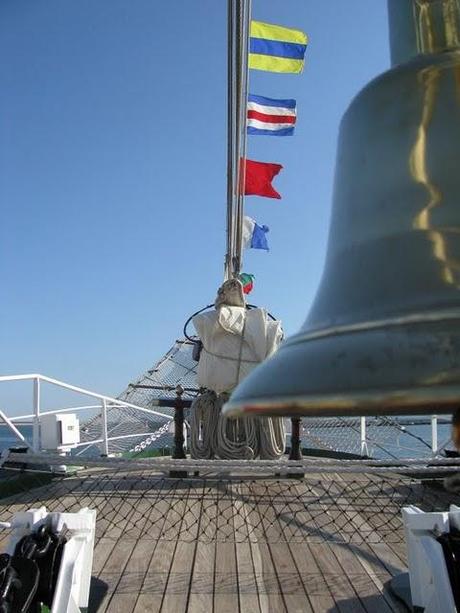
254, 236
271, 117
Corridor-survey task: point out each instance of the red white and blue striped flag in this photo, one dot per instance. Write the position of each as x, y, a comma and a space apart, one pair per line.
271, 117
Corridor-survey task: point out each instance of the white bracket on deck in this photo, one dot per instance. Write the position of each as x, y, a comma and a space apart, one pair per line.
430, 585
73, 584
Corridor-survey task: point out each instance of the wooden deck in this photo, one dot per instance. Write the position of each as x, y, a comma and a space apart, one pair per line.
152, 555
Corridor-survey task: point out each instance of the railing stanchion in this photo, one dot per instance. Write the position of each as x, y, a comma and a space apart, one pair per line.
105, 436
36, 411
434, 434
178, 450
364, 449
295, 453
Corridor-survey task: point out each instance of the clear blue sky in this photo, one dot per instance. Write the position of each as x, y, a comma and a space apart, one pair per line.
113, 171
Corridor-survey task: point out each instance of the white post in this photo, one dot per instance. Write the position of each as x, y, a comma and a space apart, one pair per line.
36, 411
185, 437
364, 449
105, 443
434, 434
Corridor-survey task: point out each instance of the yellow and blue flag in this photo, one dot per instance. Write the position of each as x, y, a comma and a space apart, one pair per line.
275, 48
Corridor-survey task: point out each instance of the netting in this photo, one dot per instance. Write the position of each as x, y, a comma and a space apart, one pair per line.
386, 437
145, 430
177, 367
339, 502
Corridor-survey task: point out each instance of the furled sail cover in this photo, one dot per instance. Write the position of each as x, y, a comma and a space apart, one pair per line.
234, 341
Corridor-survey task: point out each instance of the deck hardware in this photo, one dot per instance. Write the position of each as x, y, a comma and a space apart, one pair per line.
179, 439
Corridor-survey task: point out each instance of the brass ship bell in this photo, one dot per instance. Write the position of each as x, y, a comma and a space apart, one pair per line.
383, 333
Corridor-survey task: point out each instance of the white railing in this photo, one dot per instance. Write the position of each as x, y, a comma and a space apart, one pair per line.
105, 404
436, 448
364, 437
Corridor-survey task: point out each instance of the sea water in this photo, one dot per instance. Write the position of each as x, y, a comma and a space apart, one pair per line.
404, 445
8, 439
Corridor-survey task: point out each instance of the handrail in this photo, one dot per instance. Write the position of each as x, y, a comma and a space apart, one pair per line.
57, 411
106, 403
79, 390
91, 406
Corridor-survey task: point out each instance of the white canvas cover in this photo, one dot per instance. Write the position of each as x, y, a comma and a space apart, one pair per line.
235, 340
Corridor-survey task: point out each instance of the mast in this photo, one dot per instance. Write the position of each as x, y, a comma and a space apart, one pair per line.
230, 146
239, 20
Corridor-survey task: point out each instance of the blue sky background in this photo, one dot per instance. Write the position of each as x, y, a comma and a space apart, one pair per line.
113, 173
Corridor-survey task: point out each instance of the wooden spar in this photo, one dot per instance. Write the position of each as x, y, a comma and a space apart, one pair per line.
239, 19
230, 149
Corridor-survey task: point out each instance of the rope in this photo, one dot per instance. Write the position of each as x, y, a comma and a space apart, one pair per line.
214, 435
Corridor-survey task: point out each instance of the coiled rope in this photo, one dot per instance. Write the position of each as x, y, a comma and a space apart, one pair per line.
216, 436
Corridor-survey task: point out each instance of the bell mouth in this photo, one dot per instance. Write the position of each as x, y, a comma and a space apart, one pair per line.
410, 368
398, 402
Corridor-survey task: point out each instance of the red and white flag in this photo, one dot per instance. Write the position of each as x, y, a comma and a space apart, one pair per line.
270, 117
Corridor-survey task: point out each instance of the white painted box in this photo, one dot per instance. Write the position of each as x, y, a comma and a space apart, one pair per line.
59, 431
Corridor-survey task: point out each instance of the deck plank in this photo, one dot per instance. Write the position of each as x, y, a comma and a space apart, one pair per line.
177, 590
201, 594
278, 516
340, 586
277, 557
368, 585
156, 578
313, 581
178, 586
378, 558
127, 519
202, 583
158, 572
345, 597
267, 585
251, 520
156, 575
247, 581
113, 570
226, 592
369, 592
164, 545
379, 574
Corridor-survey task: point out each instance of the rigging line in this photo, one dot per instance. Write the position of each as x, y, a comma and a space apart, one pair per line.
234, 126
242, 93
404, 430
239, 5
236, 140
230, 139
373, 441
238, 59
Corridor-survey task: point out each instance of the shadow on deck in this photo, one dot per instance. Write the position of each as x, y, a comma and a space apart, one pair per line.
326, 542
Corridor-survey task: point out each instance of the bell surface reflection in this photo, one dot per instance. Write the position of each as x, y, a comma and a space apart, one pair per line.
384, 329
